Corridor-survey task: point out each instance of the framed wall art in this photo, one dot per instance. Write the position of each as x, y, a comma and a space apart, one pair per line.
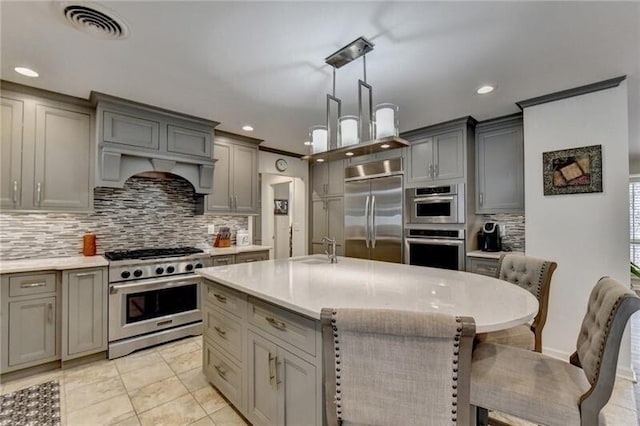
572, 171
281, 207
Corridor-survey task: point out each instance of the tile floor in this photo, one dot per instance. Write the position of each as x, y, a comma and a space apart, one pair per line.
158, 386
165, 386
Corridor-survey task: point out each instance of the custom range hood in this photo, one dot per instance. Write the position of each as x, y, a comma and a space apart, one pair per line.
135, 138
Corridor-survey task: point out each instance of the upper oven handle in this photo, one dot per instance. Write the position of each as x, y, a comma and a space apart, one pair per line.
442, 242
437, 199
141, 286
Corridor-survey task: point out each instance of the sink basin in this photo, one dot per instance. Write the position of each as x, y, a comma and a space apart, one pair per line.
312, 261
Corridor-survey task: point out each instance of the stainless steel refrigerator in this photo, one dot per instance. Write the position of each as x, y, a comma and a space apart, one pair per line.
373, 211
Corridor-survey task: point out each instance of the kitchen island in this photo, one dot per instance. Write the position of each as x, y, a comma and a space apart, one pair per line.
262, 340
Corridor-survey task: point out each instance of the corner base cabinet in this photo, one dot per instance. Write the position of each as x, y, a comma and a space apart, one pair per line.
265, 359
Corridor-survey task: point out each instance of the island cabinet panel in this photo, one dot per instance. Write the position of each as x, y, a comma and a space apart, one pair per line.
262, 405
292, 328
225, 374
222, 297
223, 330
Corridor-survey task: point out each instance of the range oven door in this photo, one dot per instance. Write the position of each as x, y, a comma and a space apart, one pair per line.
152, 305
435, 253
433, 209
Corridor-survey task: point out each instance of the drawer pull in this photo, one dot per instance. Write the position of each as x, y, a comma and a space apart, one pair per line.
220, 331
221, 298
31, 285
165, 322
275, 323
86, 274
221, 371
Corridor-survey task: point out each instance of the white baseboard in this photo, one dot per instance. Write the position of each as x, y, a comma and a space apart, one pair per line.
624, 372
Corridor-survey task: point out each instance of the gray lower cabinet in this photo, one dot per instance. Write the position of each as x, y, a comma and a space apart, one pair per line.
265, 359
244, 257
235, 176
223, 260
84, 303
327, 179
282, 386
327, 220
482, 266
40, 139
500, 166
30, 320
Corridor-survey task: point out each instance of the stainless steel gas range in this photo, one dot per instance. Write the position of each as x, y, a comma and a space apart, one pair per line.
154, 297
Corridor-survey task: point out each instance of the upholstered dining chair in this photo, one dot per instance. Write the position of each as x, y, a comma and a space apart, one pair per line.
386, 367
534, 275
549, 391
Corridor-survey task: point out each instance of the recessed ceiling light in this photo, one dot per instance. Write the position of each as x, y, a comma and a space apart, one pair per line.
385, 146
485, 89
26, 71
247, 128
349, 154
320, 160
308, 143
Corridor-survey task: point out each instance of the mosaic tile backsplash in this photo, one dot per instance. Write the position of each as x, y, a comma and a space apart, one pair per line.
147, 212
514, 225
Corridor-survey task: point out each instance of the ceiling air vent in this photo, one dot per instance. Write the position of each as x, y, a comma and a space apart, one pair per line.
96, 20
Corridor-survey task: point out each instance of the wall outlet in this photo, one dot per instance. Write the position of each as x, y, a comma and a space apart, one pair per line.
211, 229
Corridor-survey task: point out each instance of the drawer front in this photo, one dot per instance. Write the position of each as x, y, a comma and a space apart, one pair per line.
488, 267
223, 260
252, 257
223, 373
223, 330
288, 326
24, 285
225, 298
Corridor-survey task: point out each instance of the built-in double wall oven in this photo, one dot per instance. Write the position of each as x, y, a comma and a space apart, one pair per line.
435, 204
436, 248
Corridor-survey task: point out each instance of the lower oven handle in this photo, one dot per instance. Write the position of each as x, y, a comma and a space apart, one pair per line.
114, 288
434, 241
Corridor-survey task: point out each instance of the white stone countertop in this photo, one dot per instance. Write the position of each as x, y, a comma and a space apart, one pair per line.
52, 264
307, 284
219, 251
491, 254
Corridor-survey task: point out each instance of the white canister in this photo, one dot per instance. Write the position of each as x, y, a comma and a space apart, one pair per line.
242, 237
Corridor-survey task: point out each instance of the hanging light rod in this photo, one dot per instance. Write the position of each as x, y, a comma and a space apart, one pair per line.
352, 51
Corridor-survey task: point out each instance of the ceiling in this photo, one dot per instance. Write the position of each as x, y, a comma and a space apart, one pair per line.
263, 63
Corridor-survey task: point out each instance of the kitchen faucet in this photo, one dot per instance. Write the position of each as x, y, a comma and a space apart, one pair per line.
331, 249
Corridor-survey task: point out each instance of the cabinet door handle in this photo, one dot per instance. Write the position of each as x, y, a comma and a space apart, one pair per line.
221, 371
275, 323
31, 285
86, 274
50, 313
481, 199
39, 193
272, 369
15, 192
220, 331
230, 201
430, 170
436, 172
221, 298
235, 202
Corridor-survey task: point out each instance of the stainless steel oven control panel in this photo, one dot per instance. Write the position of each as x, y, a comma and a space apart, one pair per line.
139, 269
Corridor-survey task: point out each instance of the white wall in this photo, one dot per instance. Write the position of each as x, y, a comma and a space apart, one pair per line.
586, 234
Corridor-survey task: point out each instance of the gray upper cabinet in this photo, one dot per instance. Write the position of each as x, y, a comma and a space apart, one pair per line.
11, 153
500, 166
84, 304
47, 153
440, 153
235, 176
132, 131
327, 179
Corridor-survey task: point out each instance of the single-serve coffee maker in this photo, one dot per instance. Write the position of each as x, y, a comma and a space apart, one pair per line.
489, 237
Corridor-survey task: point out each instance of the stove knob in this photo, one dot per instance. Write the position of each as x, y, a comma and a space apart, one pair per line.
125, 274
189, 267
198, 265
137, 273
159, 271
170, 269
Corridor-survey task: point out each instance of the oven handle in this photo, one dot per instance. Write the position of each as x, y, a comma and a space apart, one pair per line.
114, 288
438, 199
436, 241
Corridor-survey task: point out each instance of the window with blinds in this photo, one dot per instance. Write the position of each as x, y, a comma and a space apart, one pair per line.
634, 221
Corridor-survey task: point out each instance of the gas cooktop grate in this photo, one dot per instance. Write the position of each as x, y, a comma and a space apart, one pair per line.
151, 253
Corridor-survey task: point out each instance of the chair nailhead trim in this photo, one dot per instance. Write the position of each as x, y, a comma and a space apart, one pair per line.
336, 348
454, 371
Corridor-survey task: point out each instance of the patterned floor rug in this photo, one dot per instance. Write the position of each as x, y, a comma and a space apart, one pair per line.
37, 405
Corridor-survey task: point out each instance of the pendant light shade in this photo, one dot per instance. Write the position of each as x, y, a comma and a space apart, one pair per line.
349, 130
318, 136
386, 120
